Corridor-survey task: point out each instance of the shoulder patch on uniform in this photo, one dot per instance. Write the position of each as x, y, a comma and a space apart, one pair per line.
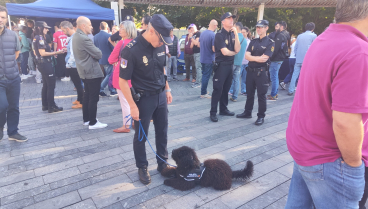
131, 44
123, 63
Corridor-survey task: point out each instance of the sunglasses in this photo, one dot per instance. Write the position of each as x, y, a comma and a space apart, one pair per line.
159, 37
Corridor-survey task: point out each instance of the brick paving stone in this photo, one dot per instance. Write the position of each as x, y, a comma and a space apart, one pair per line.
73, 167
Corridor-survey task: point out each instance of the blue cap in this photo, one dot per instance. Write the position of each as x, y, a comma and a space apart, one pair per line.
226, 15
262, 23
163, 27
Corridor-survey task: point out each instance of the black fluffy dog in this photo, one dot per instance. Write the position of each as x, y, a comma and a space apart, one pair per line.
217, 173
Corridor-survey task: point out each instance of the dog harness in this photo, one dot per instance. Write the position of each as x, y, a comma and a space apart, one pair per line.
195, 174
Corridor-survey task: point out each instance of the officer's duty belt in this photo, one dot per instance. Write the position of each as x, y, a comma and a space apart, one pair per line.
44, 60
257, 69
145, 93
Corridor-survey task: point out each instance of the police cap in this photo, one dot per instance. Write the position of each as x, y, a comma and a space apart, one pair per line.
163, 27
262, 23
226, 15
41, 24
129, 18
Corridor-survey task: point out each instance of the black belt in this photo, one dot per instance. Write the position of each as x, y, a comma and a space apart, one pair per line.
44, 60
149, 93
226, 63
257, 69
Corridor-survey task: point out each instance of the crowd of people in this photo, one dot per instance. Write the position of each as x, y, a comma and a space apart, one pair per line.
327, 122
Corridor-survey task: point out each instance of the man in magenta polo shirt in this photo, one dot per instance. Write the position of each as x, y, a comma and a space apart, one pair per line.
329, 116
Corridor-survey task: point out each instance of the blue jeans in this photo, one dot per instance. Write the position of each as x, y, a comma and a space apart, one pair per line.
329, 185
9, 104
274, 74
243, 74
291, 70
297, 68
234, 89
105, 82
24, 63
206, 74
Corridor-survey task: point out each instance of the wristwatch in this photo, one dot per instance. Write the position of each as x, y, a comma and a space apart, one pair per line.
168, 90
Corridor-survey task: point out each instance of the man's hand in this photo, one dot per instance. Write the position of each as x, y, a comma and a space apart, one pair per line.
134, 112
179, 55
169, 97
169, 55
233, 29
190, 35
262, 59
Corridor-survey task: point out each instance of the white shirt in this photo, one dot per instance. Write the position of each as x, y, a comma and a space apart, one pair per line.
292, 54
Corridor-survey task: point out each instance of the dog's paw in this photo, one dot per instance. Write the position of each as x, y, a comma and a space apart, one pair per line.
167, 182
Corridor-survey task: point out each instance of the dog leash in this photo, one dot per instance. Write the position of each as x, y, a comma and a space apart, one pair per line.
144, 135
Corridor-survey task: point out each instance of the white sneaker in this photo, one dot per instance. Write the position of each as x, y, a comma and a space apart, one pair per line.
23, 77
98, 125
65, 79
38, 81
86, 123
206, 96
30, 75
32, 72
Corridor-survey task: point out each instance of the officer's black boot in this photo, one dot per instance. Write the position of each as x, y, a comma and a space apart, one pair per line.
1, 133
227, 113
259, 121
244, 115
55, 108
214, 118
144, 176
45, 108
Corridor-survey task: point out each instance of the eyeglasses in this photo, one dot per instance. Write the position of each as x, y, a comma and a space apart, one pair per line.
159, 37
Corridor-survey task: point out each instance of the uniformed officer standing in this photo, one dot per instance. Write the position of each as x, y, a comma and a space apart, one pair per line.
227, 45
142, 62
45, 65
259, 52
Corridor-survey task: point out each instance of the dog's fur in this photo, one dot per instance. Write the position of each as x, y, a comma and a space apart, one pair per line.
218, 173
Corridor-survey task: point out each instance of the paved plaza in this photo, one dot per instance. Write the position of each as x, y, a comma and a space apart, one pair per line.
65, 165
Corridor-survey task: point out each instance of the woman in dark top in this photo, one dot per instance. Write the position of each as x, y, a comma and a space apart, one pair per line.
45, 66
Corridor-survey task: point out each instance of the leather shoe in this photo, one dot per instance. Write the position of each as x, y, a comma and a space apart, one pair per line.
55, 109
227, 113
244, 115
259, 121
214, 118
144, 176
44, 108
161, 167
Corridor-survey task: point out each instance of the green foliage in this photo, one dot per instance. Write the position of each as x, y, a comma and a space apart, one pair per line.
181, 16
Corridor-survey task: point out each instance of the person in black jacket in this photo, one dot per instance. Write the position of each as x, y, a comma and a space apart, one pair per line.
280, 54
46, 66
273, 34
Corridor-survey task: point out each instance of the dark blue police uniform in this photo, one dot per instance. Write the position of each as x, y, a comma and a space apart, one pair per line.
144, 66
257, 76
223, 71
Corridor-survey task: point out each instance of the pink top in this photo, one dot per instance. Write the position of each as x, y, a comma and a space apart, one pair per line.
336, 82
114, 58
60, 38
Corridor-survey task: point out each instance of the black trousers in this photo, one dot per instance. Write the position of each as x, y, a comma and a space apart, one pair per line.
222, 80
90, 99
60, 67
151, 107
261, 83
74, 76
365, 194
49, 82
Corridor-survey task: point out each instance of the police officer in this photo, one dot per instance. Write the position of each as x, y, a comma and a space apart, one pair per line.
258, 53
227, 45
143, 61
45, 65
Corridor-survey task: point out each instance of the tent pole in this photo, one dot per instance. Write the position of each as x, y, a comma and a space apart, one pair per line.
10, 28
